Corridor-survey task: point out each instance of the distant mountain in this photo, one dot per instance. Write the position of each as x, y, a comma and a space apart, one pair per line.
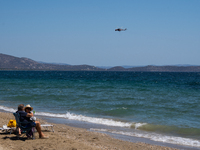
108, 67
52, 63
158, 69
8, 62
117, 68
105, 67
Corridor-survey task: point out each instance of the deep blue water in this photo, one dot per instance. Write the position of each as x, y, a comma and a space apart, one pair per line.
156, 103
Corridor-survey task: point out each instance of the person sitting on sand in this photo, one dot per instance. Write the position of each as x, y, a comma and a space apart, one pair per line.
28, 109
25, 118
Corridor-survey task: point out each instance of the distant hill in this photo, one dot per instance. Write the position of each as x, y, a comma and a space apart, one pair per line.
159, 69
171, 68
52, 63
8, 62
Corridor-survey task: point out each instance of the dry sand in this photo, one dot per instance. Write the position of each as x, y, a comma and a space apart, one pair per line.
68, 138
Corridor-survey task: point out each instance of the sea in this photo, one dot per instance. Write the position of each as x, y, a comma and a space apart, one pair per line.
158, 106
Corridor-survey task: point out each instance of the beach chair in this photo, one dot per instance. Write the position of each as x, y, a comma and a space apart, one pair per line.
46, 126
24, 129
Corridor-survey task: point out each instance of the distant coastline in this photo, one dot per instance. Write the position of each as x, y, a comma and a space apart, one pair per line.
8, 62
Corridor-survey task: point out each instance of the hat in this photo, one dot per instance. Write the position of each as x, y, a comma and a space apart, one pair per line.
28, 106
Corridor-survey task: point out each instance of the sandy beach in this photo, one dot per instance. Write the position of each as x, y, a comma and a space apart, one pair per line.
67, 138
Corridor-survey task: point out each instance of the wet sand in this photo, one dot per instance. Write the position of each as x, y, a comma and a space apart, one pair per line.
68, 138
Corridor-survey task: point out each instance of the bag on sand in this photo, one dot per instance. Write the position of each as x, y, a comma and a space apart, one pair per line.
12, 123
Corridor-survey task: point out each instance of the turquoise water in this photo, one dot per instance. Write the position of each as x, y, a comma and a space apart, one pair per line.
164, 105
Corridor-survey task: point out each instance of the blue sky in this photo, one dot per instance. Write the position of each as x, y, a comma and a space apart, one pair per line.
159, 32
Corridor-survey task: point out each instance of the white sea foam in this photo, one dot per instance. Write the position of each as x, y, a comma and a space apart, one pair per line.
103, 121
7, 109
156, 137
139, 125
124, 108
51, 115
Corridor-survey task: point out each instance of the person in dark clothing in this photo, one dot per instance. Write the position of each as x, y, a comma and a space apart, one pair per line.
25, 118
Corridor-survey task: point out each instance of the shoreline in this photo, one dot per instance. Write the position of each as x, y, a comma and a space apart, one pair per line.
70, 138
91, 127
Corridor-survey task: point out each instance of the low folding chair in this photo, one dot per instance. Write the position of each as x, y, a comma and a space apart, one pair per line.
23, 127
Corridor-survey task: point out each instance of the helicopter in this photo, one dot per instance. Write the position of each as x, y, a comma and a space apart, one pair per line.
119, 29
